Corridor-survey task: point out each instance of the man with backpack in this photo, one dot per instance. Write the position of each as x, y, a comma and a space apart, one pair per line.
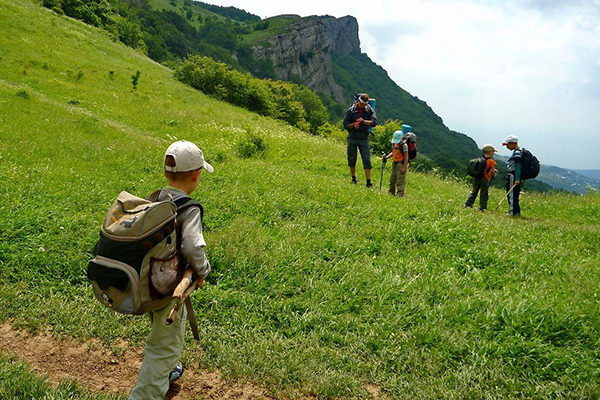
401, 140
359, 118
183, 164
484, 169
513, 175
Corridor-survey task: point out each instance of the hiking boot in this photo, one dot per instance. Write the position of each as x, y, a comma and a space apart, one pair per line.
354, 181
176, 373
369, 185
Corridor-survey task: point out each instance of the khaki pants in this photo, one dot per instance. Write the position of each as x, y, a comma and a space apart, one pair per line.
397, 180
480, 185
161, 354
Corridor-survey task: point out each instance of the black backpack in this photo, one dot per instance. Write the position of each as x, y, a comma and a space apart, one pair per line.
476, 167
530, 166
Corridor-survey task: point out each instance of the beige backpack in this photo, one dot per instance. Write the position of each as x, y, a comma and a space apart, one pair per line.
137, 266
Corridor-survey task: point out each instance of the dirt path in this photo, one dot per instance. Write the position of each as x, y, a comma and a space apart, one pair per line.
93, 366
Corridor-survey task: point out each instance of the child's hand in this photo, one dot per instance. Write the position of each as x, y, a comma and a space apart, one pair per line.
200, 283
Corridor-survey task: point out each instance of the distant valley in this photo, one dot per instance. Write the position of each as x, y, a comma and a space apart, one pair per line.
578, 181
590, 173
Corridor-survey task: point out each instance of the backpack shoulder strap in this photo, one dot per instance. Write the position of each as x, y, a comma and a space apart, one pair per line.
182, 203
154, 195
187, 202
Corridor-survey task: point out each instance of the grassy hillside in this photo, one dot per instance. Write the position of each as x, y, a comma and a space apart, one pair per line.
319, 287
169, 31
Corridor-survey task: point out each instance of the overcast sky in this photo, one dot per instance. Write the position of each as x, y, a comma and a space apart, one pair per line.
488, 68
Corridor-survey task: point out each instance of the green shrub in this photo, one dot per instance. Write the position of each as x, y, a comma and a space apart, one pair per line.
129, 33
135, 78
332, 131
295, 104
382, 136
23, 94
252, 145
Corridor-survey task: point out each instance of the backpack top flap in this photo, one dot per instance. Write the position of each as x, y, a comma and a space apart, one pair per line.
132, 218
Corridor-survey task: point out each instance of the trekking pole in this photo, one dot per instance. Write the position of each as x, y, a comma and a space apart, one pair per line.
382, 168
503, 197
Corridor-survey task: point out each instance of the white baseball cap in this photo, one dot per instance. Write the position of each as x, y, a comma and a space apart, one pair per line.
510, 139
188, 157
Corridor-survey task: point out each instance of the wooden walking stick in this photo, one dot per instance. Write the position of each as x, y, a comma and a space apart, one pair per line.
182, 293
506, 195
178, 293
192, 318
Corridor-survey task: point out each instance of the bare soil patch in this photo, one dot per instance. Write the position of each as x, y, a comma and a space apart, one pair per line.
92, 365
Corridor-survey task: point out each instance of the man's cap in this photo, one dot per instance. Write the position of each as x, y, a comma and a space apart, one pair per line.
188, 157
397, 137
510, 139
489, 147
406, 128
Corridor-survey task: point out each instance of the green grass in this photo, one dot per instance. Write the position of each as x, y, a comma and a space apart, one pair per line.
181, 9
277, 25
318, 287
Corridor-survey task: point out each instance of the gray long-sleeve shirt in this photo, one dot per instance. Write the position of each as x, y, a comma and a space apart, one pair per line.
192, 239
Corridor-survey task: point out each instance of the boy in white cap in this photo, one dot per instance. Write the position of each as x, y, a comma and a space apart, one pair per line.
400, 165
183, 164
513, 175
483, 183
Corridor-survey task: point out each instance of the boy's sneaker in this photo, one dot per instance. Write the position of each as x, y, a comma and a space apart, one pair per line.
369, 185
176, 373
354, 181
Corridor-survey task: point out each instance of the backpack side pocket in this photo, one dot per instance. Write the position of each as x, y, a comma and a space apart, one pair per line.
115, 284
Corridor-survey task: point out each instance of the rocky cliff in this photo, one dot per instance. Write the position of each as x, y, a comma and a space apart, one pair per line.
341, 34
303, 51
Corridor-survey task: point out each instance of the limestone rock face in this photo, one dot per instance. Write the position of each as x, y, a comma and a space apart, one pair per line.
342, 34
303, 51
